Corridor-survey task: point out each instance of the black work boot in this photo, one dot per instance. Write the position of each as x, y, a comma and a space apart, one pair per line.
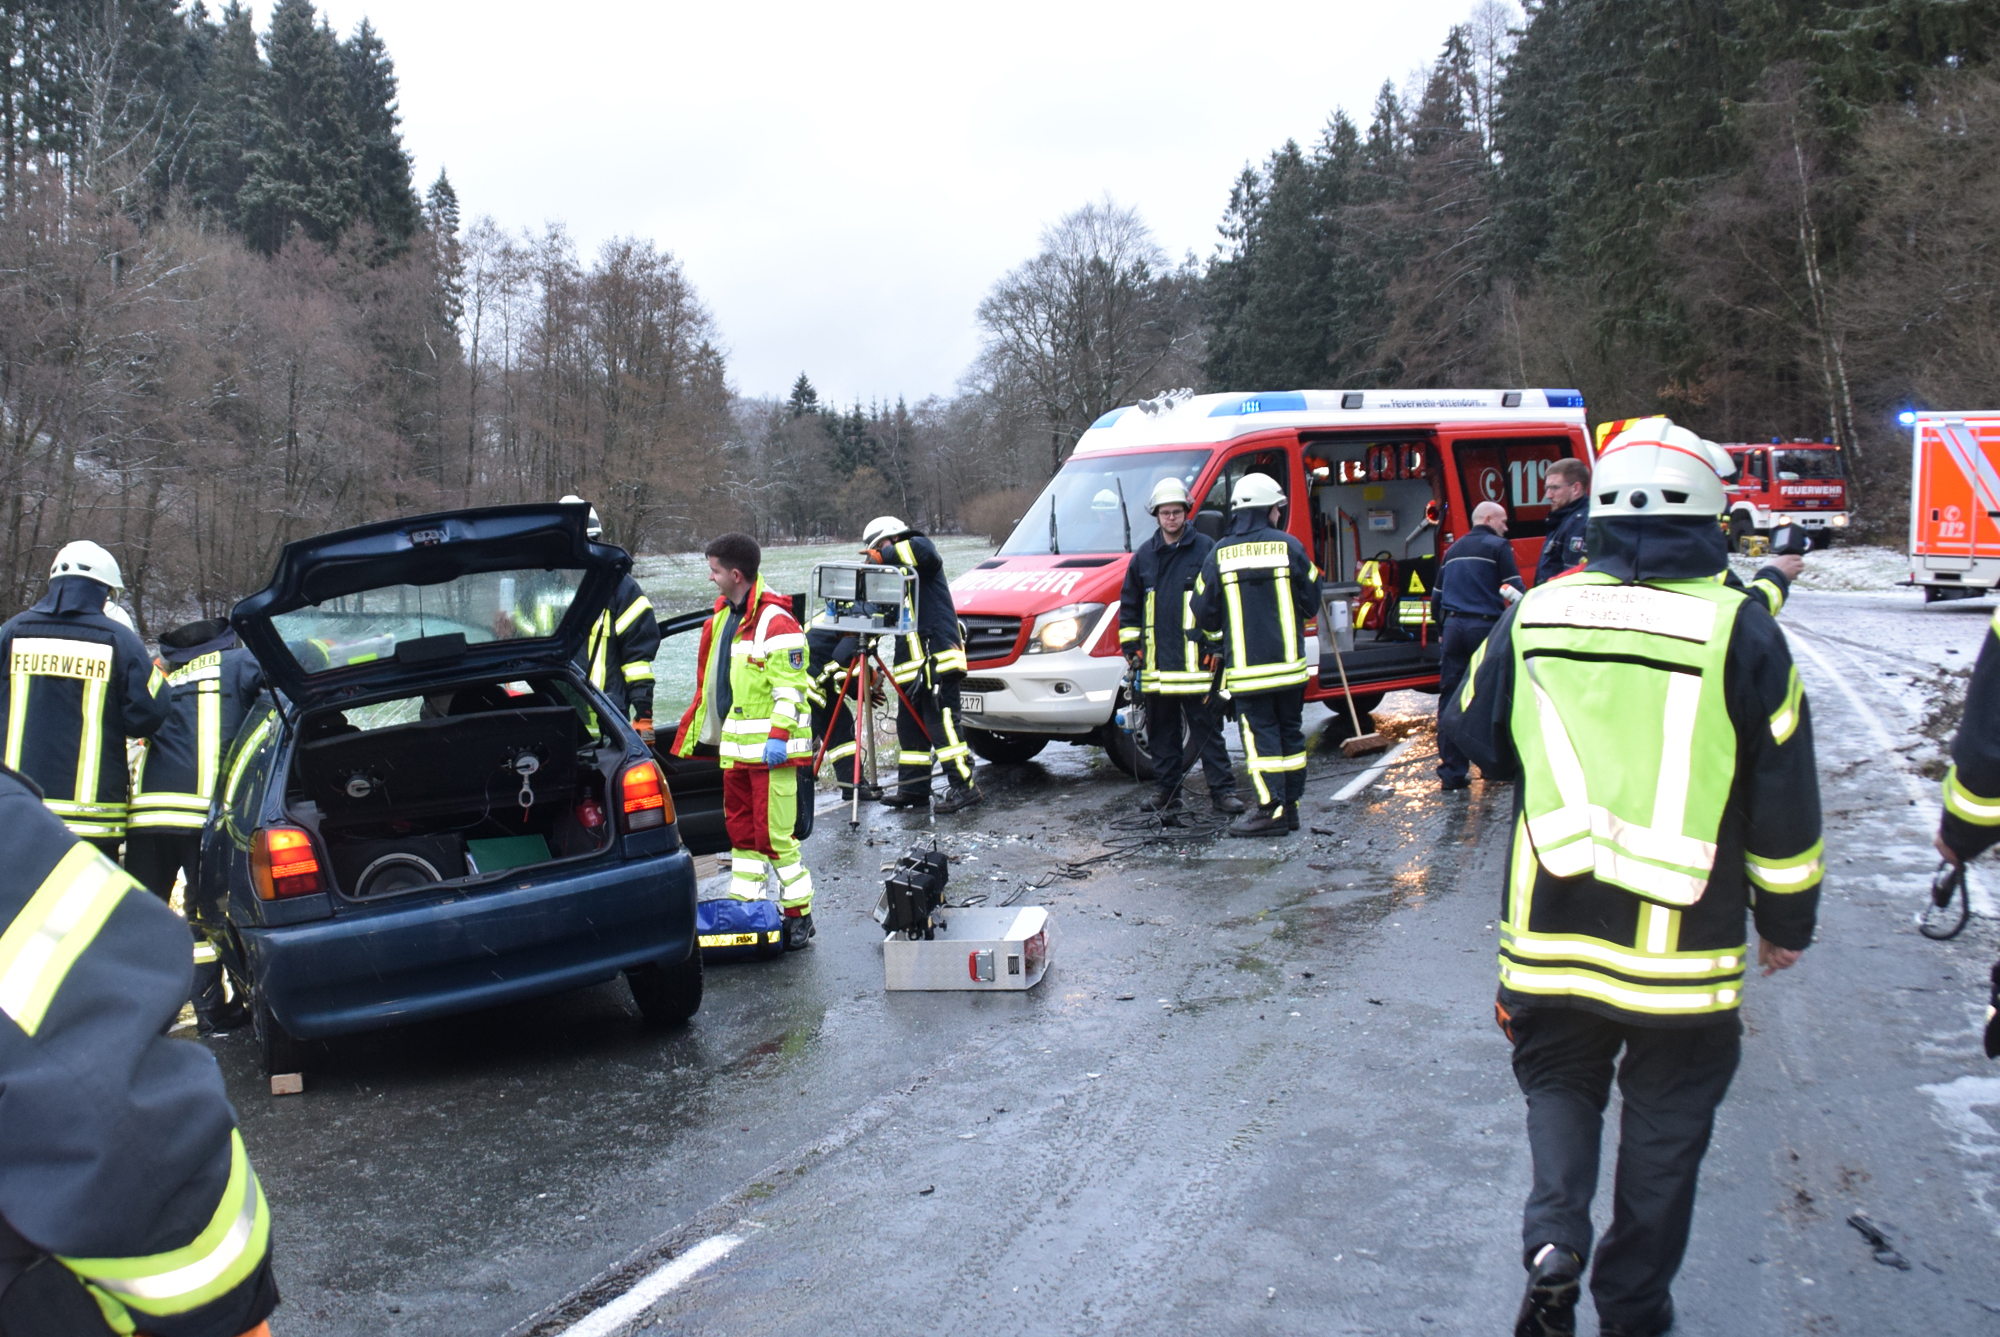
1259, 822
1549, 1307
1291, 816
799, 931
1652, 1327
1161, 800
904, 798
1226, 802
957, 797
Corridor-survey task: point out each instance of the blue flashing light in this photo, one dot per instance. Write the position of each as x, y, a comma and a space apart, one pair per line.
1107, 419
1907, 417
1564, 399
1290, 401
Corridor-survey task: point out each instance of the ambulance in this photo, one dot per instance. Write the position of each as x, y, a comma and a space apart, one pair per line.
1954, 504
1802, 483
1380, 483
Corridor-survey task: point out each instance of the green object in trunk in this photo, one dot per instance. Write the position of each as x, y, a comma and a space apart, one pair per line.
490, 856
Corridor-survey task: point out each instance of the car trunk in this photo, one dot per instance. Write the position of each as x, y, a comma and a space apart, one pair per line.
464, 786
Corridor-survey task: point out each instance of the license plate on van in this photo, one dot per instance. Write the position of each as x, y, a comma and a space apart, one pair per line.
972, 703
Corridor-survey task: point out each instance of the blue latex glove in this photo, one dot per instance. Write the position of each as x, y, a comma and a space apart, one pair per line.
774, 751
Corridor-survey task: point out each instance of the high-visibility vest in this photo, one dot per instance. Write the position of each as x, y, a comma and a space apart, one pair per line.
766, 664
1627, 750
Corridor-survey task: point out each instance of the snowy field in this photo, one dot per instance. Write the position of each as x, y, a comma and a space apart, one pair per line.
678, 583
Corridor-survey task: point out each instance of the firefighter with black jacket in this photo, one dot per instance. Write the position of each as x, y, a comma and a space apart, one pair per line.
618, 653
1971, 822
212, 682
928, 665
1157, 634
1663, 750
127, 1202
830, 656
82, 683
1256, 592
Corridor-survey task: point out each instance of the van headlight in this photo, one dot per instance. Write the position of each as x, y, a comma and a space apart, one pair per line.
1837, 521
1062, 628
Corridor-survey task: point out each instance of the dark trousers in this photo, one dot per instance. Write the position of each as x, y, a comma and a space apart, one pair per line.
1463, 635
1274, 744
929, 735
1181, 730
837, 729
1672, 1079
156, 858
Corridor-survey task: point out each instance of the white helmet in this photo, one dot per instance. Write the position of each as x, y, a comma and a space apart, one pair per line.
1654, 468
84, 558
1255, 491
1169, 492
594, 528
882, 527
119, 615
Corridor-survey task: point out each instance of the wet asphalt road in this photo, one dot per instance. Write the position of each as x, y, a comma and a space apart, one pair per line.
1302, 1120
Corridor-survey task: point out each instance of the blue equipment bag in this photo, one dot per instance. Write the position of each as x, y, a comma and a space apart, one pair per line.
732, 930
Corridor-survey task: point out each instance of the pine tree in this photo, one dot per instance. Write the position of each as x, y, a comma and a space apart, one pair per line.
304, 170
441, 222
388, 199
224, 126
804, 398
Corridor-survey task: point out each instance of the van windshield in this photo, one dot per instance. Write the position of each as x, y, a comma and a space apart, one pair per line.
1794, 464
1084, 502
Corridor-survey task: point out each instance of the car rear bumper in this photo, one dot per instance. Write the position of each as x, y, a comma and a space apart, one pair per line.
386, 966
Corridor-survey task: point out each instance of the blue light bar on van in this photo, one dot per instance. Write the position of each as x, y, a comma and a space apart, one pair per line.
1564, 399
1108, 419
1290, 401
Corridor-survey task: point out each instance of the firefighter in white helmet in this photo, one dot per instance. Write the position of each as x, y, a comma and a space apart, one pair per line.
1666, 788
618, 654
1257, 590
1157, 635
928, 665
82, 683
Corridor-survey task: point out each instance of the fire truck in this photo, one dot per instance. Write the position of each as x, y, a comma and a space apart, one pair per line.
1380, 483
1801, 483
1954, 504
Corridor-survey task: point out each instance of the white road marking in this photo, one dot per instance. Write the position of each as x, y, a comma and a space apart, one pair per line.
643, 1296
1363, 780
1977, 895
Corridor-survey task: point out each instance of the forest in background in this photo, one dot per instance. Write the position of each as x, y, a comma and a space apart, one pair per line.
229, 319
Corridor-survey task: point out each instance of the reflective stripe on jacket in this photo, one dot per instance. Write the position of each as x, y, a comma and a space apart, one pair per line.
210, 694
1256, 592
122, 1157
1972, 785
1663, 750
1156, 606
78, 685
935, 645
766, 663
618, 652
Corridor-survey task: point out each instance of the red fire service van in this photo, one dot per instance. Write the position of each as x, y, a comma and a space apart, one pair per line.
1380, 482
1954, 504
1801, 483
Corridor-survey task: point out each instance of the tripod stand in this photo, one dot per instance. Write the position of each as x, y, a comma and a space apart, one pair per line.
870, 654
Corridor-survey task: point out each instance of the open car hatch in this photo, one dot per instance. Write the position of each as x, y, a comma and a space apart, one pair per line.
499, 590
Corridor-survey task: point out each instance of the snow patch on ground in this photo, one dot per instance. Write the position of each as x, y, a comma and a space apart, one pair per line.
1847, 567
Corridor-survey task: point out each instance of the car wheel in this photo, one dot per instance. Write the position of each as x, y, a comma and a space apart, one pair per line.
668, 995
1739, 530
1124, 750
278, 1050
1004, 749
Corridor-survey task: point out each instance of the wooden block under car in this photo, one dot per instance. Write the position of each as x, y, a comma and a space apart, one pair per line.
288, 1083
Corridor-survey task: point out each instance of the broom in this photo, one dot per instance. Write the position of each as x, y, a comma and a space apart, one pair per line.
1362, 743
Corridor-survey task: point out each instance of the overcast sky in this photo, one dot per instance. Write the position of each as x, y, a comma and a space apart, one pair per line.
844, 182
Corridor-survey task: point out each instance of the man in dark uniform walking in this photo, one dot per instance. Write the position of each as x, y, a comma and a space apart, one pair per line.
1477, 582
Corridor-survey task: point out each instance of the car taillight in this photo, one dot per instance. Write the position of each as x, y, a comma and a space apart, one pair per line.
282, 863
646, 800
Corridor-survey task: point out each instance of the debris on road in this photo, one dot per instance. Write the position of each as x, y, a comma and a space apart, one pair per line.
1885, 1252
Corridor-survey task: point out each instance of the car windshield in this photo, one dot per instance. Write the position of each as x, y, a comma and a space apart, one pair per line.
1084, 501
1793, 464
483, 606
